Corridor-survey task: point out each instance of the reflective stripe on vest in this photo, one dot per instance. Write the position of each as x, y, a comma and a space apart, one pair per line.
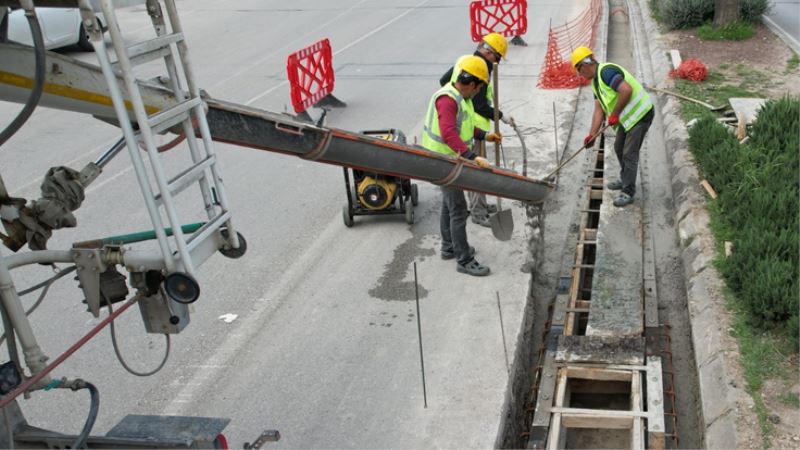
639, 104
432, 135
484, 123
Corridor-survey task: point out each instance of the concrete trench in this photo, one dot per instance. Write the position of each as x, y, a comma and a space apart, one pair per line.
554, 231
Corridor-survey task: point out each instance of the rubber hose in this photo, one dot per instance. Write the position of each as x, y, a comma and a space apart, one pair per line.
94, 408
38, 82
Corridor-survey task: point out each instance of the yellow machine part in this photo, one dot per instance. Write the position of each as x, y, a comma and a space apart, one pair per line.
375, 193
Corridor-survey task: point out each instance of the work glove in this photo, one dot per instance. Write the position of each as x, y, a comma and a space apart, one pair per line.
494, 137
482, 162
588, 141
613, 120
508, 120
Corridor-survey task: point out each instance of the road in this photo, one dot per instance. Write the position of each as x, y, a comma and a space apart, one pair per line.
324, 345
785, 14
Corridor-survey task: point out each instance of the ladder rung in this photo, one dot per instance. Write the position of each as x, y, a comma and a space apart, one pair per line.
206, 230
187, 177
155, 48
166, 118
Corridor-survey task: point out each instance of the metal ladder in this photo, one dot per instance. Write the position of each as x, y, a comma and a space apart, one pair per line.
188, 113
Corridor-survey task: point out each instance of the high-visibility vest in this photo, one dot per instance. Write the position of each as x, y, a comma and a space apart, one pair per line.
639, 104
484, 123
432, 135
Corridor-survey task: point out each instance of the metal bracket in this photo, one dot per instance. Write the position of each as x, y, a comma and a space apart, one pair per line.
89, 264
266, 436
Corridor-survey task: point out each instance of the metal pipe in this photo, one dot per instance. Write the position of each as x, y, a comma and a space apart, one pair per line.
106, 157
34, 357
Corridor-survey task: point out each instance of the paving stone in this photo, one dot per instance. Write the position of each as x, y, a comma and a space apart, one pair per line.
715, 392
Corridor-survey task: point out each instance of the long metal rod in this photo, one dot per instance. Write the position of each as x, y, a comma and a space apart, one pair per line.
419, 332
503, 331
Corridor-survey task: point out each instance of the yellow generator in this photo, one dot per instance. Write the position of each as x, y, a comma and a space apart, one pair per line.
372, 193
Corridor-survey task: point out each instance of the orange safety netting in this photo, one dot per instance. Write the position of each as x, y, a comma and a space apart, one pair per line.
557, 71
691, 69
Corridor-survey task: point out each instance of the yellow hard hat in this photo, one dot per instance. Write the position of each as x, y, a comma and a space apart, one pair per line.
476, 66
579, 55
497, 42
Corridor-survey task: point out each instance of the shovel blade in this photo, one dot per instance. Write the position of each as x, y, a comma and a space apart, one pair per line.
502, 225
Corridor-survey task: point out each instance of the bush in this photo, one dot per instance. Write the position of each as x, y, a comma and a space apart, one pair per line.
752, 10
676, 14
759, 203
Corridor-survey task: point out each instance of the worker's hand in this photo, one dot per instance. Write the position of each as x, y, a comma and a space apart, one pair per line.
494, 137
588, 141
613, 120
508, 120
482, 162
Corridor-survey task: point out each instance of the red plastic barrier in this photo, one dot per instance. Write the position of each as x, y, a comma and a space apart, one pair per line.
310, 73
507, 17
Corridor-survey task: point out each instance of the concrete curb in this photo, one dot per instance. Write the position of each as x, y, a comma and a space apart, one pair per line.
786, 37
724, 402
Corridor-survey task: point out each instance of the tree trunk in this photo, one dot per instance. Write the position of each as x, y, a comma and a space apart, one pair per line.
725, 12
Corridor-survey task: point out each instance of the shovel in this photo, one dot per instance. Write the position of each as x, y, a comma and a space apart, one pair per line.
502, 223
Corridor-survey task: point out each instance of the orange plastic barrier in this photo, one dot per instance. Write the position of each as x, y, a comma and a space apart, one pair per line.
557, 71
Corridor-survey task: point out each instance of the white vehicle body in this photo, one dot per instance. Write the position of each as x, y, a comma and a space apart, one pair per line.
61, 27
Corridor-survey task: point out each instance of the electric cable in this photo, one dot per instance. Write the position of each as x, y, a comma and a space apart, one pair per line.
38, 81
24, 387
119, 353
46, 284
94, 408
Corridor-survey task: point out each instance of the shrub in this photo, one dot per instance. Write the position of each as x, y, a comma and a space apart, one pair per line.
759, 203
752, 10
677, 14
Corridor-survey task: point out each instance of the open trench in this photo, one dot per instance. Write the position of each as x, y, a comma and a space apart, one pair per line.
559, 242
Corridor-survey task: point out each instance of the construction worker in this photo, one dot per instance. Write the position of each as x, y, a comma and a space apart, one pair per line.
621, 98
492, 48
449, 130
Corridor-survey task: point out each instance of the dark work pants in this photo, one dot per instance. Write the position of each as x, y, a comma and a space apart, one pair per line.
627, 146
453, 224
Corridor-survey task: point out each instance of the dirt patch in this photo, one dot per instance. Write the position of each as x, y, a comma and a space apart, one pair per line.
738, 60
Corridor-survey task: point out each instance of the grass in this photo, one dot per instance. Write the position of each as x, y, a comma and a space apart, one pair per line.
716, 90
791, 399
793, 62
735, 31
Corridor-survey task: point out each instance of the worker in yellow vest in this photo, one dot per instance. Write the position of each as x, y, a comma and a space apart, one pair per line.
491, 49
449, 129
624, 101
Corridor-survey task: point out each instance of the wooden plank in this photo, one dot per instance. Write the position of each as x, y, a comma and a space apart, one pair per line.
637, 432
596, 422
655, 404
675, 56
582, 304
554, 441
588, 373
599, 412
590, 234
707, 186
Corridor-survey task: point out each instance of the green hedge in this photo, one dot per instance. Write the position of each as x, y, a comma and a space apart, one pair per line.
759, 203
677, 14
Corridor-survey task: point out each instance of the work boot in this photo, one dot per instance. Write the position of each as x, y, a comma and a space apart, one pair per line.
615, 185
482, 221
491, 209
452, 253
473, 268
623, 200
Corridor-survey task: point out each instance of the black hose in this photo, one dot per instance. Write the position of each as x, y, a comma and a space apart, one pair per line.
94, 408
38, 81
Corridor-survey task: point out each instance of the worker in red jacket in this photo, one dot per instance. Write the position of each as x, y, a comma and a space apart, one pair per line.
450, 130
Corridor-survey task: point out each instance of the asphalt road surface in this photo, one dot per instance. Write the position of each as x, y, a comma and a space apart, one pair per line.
326, 360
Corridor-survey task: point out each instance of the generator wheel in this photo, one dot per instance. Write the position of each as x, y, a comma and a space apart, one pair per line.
409, 214
414, 195
347, 216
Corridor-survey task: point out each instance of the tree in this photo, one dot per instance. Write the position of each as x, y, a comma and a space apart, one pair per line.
725, 12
